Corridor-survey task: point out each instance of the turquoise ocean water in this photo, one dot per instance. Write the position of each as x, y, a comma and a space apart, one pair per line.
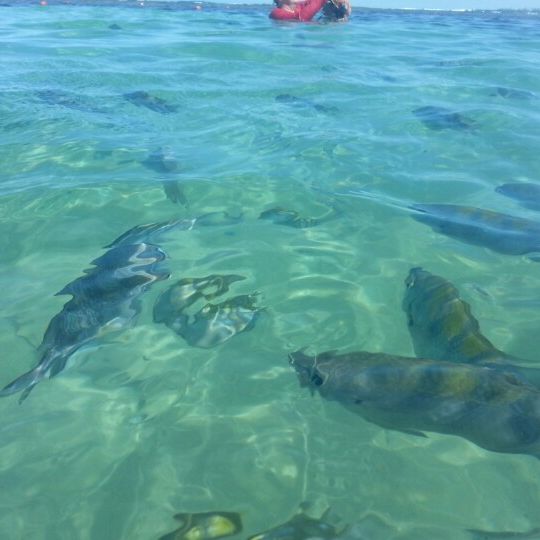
242, 116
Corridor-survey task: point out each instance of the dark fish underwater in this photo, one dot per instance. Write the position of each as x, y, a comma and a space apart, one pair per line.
61, 98
140, 98
304, 103
488, 407
442, 327
291, 218
502, 233
513, 93
438, 118
104, 300
525, 193
163, 162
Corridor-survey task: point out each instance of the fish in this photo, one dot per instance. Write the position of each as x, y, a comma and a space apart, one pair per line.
67, 100
442, 327
301, 527
291, 218
211, 324
163, 162
501, 233
205, 526
114, 26
525, 193
218, 219
151, 231
533, 534
298, 102
185, 292
214, 324
438, 118
104, 300
140, 98
485, 406
513, 93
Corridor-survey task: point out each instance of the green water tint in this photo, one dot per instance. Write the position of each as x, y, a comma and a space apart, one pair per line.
146, 425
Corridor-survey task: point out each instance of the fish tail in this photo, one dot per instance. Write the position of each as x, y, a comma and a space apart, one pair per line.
23, 384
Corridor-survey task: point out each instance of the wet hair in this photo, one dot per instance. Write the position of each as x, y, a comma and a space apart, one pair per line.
335, 11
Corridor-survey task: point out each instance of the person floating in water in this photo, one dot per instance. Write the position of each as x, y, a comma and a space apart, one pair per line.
305, 10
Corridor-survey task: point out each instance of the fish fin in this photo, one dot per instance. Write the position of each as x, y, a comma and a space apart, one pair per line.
24, 383
533, 534
412, 432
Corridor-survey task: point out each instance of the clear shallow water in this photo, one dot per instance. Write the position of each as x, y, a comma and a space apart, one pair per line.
146, 426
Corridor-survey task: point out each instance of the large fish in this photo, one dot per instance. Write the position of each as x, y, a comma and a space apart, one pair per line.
442, 327
205, 526
104, 300
163, 162
500, 232
526, 193
489, 407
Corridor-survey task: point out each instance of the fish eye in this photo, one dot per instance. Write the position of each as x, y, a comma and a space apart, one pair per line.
409, 282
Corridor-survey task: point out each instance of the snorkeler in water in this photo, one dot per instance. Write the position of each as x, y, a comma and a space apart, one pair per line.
336, 11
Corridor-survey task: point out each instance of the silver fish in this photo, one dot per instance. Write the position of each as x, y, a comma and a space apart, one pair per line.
104, 300
216, 323
150, 232
211, 324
